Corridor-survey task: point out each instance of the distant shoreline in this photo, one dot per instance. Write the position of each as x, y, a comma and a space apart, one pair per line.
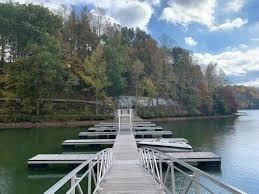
58, 124
183, 118
50, 124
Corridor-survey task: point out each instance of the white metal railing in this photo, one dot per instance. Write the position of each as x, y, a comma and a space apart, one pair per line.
90, 172
125, 114
176, 176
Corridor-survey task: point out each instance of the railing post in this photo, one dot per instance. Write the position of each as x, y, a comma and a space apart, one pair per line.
119, 115
98, 170
89, 178
160, 168
172, 176
196, 186
130, 116
73, 182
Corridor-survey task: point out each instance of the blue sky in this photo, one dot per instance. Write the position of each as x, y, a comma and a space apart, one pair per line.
221, 31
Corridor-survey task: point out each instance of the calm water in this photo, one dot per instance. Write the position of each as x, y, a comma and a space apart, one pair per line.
236, 140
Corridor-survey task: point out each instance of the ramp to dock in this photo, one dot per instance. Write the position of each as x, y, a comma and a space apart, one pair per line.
126, 174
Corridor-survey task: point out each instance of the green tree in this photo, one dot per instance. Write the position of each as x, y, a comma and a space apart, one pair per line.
94, 72
117, 59
147, 88
37, 77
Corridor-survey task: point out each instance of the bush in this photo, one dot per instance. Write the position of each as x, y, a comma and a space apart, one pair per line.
54, 117
160, 111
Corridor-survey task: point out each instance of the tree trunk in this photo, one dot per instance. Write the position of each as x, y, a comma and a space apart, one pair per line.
38, 107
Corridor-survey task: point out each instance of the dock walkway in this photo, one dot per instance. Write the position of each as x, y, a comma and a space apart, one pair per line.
126, 174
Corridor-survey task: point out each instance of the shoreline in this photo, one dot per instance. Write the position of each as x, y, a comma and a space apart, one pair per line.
190, 118
51, 124
58, 124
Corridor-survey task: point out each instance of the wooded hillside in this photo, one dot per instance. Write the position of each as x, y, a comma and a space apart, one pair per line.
46, 56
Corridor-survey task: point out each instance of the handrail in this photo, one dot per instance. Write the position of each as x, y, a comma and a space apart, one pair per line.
195, 179
102, 160
122, 113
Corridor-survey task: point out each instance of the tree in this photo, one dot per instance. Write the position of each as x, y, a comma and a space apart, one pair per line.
147, 88
135, 72
116, 57
31, 79
94, 72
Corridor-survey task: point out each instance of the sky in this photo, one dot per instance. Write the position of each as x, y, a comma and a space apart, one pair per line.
222, 31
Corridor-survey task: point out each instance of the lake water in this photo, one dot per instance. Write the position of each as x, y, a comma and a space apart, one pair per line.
235, 140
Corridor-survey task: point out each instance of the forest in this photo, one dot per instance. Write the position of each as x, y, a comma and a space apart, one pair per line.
80, 55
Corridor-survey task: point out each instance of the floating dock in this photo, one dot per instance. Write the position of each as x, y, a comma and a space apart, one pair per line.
198, 158
112, 135
114, 129
126, 169
135, 124
85, 142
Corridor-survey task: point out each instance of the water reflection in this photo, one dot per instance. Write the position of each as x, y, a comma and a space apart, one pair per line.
234, 139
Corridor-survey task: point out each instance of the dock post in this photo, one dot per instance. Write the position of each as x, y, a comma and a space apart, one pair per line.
89, 177
130, 116
119, 115
73, 182
172, 177
197, 186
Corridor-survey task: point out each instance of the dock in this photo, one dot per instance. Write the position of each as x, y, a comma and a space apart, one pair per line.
112, 135
126, 174
85, 142
114, 129
49, 159
196, 158
125, 168
97, 135
115, 124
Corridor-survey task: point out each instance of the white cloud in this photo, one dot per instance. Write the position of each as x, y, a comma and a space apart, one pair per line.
230, 25
234, 62
255, 39
243, 46
190, 41
253, 83
235, 5
254, 28
184, 12
153, 2
133, 13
